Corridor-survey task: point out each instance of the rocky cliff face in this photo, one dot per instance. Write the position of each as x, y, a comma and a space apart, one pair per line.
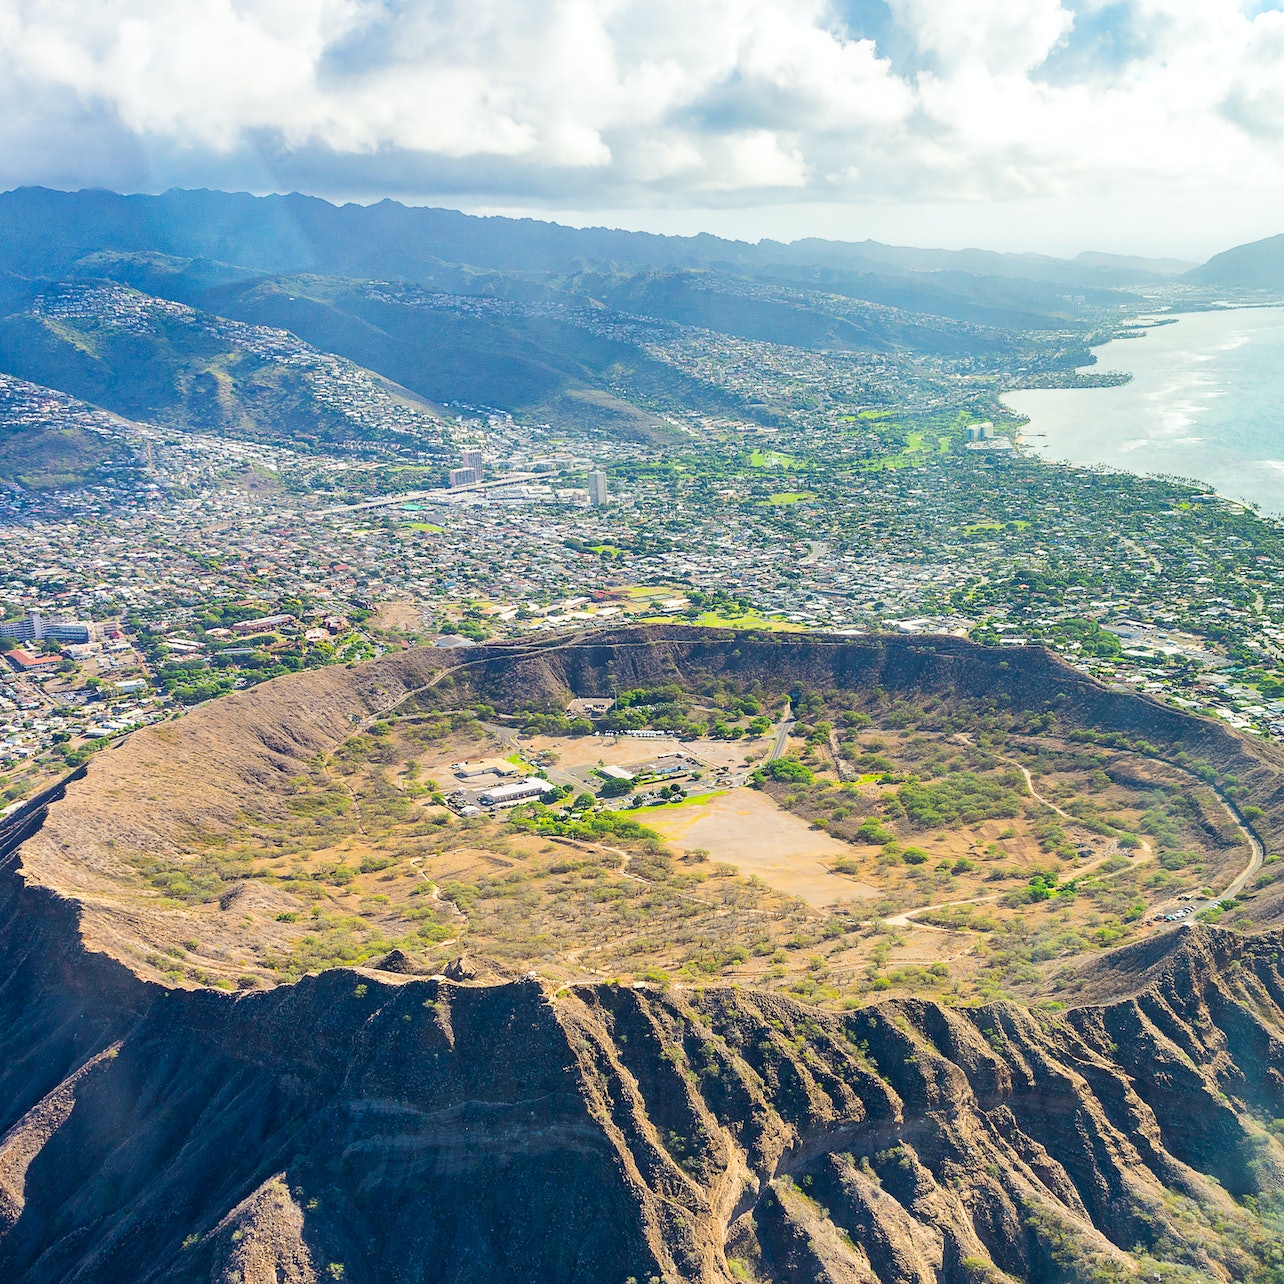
369, 1127
362, 1127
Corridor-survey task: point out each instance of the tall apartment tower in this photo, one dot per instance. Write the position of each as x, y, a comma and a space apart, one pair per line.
597, 489
35, 628
471, 457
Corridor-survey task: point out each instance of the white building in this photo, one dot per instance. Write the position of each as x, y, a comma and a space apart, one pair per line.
483, 767
519, 791
597, 488
35, 628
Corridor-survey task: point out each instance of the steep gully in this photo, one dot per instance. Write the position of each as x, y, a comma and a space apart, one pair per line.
373, 1127
415, 1130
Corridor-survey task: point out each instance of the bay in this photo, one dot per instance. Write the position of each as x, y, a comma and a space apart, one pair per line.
1206, 401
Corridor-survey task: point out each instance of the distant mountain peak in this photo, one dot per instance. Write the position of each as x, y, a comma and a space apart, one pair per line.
1259, 265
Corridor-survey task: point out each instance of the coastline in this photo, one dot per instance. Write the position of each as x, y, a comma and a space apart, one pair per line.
1201, 404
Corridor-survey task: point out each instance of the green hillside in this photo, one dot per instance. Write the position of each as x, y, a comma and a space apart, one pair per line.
48, 458
1256, 266
146, 359
177, 378
537, 365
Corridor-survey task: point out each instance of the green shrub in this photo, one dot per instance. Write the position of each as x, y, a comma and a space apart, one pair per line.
872, 831
785, 769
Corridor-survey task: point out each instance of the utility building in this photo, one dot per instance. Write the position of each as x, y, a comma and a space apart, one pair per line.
484, 767
519, 791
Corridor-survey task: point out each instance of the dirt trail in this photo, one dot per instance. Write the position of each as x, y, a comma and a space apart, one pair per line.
906, 918
1065, 815
1256, 859
1257, 852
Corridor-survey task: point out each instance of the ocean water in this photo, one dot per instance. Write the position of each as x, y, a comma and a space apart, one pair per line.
1206, 401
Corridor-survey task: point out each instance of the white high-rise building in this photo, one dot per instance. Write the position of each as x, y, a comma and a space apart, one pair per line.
35, 628
471, 457
597, 489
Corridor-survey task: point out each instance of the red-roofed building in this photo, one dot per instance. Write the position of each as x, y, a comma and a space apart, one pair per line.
25, 662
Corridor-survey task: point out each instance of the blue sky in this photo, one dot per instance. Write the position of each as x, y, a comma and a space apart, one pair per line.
1143, 126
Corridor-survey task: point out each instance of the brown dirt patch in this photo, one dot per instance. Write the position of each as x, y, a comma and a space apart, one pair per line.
745, 828
399, 617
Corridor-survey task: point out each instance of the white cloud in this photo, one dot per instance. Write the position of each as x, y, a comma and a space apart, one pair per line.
1002, 35
658, 100
758, 159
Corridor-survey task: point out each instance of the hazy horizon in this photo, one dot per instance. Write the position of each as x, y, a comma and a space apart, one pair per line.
885, 225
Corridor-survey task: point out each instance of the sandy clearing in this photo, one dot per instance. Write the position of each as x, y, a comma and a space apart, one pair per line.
399, 616
745, 828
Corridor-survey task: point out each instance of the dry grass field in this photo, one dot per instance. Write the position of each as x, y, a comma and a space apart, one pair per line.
935, 868
888, 849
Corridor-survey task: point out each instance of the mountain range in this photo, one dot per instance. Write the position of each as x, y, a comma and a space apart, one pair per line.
578, 326
45, 232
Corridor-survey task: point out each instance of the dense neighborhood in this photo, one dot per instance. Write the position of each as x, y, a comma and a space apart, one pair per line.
191, 564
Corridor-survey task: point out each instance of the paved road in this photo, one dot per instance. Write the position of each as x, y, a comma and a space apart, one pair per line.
1256, 859
782, 733
439, 494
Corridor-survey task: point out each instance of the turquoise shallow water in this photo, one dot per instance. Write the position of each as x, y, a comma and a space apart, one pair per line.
1206, 401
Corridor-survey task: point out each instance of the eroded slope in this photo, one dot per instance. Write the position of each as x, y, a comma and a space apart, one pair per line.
357, 1127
